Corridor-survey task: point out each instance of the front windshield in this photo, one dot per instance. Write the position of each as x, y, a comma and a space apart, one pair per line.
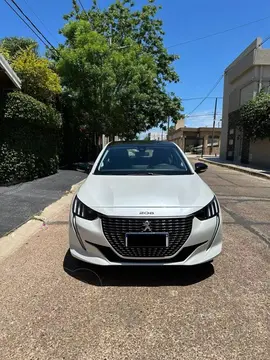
142, 159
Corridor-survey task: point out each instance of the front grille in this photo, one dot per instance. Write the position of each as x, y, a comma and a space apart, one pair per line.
178, 229
113, 257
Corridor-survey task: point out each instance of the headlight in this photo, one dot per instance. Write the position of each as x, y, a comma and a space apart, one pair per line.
83, 211
209, 211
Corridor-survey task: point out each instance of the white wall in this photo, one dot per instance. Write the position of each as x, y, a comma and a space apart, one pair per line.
225, 111
180, 124
241, 84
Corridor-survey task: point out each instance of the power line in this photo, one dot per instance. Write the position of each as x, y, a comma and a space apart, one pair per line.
35, 27
40, 20
82, 5
208, 94
264, 41
26, 23
201, 115
219, 32
216, 84
84, 10
97, 5
249, 52
199, 98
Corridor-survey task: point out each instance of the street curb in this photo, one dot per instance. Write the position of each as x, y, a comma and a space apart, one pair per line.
236, 168
16, 238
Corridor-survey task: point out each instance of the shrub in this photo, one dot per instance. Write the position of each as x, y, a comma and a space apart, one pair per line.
254, 117
27, 110
28, 139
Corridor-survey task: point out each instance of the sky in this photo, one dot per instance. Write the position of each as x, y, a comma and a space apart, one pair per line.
201, 62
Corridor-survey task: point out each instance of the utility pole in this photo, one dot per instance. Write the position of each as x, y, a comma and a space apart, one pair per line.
214, 125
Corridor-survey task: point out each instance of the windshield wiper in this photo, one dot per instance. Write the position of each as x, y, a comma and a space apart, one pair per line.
144, 173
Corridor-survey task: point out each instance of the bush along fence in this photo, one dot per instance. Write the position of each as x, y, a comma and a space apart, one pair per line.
29, 134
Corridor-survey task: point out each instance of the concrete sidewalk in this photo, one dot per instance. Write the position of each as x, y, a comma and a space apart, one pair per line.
20, 202
263, 173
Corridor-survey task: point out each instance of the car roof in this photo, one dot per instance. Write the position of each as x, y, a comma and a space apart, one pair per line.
141, 142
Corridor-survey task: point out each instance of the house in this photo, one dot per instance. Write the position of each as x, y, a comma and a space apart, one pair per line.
247, 75
9, 80
196, 140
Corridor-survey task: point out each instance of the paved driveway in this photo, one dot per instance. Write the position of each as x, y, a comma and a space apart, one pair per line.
20, 202
49, 309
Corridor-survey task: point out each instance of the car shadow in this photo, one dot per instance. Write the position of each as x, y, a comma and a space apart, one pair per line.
137, 276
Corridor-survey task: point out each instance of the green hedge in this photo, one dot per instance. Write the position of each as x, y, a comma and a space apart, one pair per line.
28, 139
253, 117
28, 110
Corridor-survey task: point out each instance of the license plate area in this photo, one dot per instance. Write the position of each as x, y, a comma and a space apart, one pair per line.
143, 240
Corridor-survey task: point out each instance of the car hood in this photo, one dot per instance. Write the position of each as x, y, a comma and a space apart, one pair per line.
102, 193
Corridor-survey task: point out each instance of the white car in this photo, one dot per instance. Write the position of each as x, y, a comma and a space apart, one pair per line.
143, 204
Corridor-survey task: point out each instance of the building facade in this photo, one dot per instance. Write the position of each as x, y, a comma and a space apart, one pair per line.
196, 140
158, 136
247, 75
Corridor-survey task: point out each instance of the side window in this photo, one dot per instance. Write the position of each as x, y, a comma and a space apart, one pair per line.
178, 161
174, 160
171, 159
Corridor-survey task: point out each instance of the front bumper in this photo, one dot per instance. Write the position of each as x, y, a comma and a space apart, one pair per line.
88, 243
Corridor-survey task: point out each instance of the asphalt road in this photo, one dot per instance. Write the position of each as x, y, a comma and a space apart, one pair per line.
48, 310
20, 202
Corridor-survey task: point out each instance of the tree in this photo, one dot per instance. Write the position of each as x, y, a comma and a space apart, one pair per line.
116, 62
171, 130
254, 117
119, 23
10, 46
37, 74
147, 137
112, 86
28, 139
38, 80
4, 52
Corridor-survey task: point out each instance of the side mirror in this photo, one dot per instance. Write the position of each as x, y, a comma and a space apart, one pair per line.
200, 167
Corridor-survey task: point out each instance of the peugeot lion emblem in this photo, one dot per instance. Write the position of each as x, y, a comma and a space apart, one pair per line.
146, 226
